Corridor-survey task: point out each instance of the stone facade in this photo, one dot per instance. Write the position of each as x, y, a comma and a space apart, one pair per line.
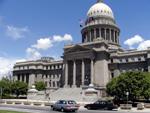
95, 61
45, 69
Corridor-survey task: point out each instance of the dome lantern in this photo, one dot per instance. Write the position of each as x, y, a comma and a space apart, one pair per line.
99, 1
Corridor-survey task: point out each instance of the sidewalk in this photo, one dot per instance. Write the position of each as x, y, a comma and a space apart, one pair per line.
135, 110
132, 110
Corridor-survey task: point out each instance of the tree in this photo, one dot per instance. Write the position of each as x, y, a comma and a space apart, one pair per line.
19, 88
5, 85
40, 86
136, 83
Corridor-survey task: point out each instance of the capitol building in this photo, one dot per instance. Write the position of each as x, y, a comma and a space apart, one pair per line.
96, 60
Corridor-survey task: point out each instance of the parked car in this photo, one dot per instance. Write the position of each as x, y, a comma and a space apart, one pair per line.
101, 104
65, 105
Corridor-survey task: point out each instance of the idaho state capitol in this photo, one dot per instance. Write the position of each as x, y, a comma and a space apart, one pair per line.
95, 61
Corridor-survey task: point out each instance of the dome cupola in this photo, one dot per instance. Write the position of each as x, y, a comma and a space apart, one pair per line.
100, 9
100, 26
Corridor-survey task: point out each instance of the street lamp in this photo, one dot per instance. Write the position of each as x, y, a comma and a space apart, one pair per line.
127, 93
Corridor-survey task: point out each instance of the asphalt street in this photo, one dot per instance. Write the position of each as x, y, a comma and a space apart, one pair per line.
38, 109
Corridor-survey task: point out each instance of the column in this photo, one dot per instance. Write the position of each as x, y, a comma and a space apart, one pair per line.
116, 72
90, 35
56, 84
15, 77
66, 74
83, 72
110, 38
20, 77
92, 74
94, 34
85, 37
25, 80
31, 79
52, 81
74, 74
100, 33
118, 37
114, 36
105, 34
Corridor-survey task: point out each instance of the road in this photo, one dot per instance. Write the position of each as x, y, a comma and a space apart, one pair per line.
38, 109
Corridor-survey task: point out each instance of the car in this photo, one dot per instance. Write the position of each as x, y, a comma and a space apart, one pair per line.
65, 105
101, 104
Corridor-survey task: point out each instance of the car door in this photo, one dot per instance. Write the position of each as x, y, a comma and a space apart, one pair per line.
56, 105
102, 104
59, 104
96, 105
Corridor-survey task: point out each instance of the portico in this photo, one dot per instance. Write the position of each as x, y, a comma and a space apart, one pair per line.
79, 69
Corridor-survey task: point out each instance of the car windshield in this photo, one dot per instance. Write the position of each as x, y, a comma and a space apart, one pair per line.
71, 102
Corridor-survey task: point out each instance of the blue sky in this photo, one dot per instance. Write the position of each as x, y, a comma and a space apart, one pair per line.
26, 26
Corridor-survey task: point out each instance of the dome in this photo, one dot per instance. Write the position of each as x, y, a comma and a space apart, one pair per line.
100, 9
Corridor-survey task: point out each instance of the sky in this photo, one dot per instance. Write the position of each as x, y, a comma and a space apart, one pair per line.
30, 29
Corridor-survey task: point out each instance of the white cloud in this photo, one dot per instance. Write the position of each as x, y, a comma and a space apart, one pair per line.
144, 45
21, 60
16, 33
44, 44
137, 39
32, 54
66, 37
6, 66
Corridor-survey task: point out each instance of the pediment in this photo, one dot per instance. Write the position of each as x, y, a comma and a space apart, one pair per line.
78, 48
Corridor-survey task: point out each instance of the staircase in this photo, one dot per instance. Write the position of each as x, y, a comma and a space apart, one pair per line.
67, 94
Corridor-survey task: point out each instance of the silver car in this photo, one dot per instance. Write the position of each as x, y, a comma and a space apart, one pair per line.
65, 105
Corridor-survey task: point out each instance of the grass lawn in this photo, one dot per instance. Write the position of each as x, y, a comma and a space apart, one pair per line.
3, 111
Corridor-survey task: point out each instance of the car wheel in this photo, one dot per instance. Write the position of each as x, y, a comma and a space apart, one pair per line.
88, 107
74, 111
53, 109
62, 110
105, 108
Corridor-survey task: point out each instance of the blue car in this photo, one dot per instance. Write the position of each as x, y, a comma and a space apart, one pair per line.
65, 105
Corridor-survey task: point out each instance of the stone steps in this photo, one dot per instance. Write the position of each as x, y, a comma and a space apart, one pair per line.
67, 93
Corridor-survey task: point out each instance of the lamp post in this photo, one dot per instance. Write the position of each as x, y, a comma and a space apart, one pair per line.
127, 93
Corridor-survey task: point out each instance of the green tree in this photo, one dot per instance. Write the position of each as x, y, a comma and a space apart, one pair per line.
5, 86
40, 86
19, 88
136, 83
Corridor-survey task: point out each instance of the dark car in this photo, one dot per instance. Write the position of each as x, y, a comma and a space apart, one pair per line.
65, 105
101, 104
